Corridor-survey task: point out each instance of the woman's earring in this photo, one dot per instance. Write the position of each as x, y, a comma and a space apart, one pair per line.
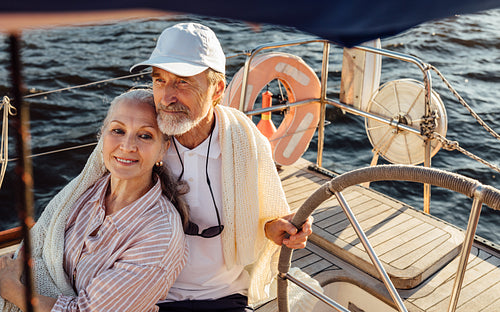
159, 163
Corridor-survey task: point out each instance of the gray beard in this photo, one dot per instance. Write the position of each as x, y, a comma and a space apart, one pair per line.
171, 125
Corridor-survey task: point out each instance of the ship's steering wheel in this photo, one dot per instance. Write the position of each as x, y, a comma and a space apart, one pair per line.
455, 182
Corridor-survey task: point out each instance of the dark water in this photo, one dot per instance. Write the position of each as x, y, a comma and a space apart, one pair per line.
465, 48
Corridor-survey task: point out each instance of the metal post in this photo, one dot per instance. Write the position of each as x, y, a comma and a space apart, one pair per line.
466, 247
427, 187
371, 252
332, 303
428, 141
243, 93
324, 81
20, 122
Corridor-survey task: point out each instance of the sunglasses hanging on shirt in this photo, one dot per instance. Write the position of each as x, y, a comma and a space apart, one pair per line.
192, 228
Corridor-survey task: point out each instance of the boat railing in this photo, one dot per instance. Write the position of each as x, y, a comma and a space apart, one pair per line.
323, 100
425, 130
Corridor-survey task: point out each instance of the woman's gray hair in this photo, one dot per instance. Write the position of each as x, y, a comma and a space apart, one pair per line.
138, 95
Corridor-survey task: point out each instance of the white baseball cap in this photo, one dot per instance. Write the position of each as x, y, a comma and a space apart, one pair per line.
186, 49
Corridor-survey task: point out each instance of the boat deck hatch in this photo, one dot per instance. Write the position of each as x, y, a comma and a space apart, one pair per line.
411, 245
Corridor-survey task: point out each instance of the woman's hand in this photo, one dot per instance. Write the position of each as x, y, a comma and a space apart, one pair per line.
10, 269
13, 290
11, 287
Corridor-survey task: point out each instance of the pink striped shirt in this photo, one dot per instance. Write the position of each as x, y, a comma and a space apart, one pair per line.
131, 261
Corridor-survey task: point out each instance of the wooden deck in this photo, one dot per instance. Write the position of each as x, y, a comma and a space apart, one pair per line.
419, 252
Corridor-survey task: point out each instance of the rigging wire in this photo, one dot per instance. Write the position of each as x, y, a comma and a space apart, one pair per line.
56, 151
450, 145
447, 144
85, 85
453, 145
462, 101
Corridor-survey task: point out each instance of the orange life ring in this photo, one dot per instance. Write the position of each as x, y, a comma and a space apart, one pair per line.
294, 133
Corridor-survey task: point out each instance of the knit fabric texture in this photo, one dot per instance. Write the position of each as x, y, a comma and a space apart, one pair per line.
47, 236
252, 195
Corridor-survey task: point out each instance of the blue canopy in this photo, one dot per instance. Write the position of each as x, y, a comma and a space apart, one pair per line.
346, 22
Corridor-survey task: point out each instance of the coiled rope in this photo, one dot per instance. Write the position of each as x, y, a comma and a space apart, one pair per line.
8, 109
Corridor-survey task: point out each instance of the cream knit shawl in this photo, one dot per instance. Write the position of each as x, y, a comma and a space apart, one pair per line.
252, 195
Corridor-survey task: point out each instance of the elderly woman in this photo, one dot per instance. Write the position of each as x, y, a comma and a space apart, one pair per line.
123, 240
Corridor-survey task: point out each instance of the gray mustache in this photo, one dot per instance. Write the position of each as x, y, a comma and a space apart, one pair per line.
173, 107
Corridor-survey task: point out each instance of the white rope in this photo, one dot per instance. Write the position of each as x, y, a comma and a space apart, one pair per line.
8, 109
464, 103
453, 145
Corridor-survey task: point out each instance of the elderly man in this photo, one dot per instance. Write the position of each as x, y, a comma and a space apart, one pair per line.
238, 211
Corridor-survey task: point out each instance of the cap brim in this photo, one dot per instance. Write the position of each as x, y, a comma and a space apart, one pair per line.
176, 67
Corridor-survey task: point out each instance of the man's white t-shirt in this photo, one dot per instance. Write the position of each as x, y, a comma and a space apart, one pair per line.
205, 275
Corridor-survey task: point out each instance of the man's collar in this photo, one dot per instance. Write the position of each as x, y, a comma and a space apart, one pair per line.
202, 148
